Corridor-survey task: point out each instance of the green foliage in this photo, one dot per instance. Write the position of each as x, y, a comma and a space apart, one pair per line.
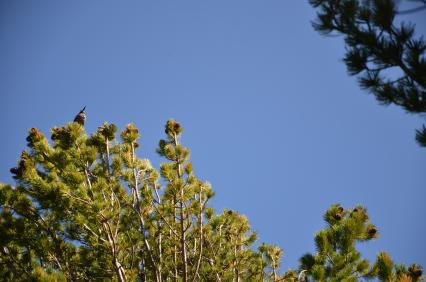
388, 60
86, 208
337, 258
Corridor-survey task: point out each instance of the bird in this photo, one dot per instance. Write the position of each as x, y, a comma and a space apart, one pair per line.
80, 117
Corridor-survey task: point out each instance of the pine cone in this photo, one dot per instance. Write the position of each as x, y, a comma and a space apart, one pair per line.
338, 216
415, 271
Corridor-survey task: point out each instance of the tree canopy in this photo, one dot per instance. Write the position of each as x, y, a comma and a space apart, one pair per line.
386, 56
87, 208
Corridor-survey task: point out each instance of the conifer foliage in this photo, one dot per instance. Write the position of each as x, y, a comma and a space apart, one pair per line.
87, 208
386, 56
337, 258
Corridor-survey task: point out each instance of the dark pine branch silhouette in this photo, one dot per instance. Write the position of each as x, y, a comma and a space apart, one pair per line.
387, 58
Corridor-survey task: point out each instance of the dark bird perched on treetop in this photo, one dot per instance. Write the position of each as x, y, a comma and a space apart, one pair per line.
80, 117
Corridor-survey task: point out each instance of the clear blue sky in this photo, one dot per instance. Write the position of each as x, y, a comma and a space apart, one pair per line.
271, 117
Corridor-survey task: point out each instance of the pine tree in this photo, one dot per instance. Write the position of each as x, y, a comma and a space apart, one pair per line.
337, 258
386, 57
87, 208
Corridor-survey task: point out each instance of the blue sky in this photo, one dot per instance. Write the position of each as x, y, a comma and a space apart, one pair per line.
273, 121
